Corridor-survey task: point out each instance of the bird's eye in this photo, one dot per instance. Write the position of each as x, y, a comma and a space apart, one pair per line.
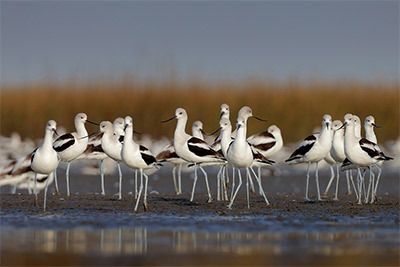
180, 113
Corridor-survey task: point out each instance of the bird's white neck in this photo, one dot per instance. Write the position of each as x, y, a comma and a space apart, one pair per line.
80, 129
349, 135
278, 138
370, 134
357, 130
128, 137
225, 139
326, 134
180, 128
338, 135
197, 133
241, 133
48, 139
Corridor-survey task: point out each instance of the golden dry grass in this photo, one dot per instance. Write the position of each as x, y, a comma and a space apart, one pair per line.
294, 106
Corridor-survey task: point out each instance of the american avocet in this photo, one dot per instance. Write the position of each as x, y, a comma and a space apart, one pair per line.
222, 176
267, 143
139, 157
240, 153
193, 149
71, 145
169, 155
369, 125
313, 149
336, 156
360, 151
112, 145
221, 146
19, 171
45, 159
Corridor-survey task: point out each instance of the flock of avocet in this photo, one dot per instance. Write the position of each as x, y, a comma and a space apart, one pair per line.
339, 144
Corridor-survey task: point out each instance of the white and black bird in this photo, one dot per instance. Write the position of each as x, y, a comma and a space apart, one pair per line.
241, 155
193, 149
369, 126
45, 159
313, 149
138, 157
111, 143
360, 151
71, 145
267, 143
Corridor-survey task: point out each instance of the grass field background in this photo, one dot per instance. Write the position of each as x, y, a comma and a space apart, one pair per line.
296, 107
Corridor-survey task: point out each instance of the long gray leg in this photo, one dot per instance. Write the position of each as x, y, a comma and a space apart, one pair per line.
369, 185
377, 181
330, 180
145, 191
247, 188
45, 192
252, 185
359, 178
337, 183
308, 179
208, 187
180, 179
103, 191
219, 184
233, 182
363, 183
194, 182
136, 184
174, 180
352, 182
35, 190
259, 177
226, 178
56, 181
140, 190
237, 190
260, 185
316, 181
348, 182
67, 178
120, 181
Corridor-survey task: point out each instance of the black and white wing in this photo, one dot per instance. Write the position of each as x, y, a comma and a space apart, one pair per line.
201, 149
95, 139
7, 168
263, 141
304, 147
168, 153
63, 142
372, 149
258, 157
217, 145
260, 138
147, 156
23, 165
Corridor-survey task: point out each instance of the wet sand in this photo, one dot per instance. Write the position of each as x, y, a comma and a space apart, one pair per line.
90, 229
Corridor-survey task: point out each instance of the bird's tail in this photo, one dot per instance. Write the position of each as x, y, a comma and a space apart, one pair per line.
384, 157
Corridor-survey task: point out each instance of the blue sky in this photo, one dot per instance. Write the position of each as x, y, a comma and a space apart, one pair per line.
208, 40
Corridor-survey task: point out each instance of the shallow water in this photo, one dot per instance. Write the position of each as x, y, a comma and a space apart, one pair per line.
89, 229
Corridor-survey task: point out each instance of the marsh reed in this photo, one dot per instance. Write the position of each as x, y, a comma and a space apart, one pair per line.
296, 107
